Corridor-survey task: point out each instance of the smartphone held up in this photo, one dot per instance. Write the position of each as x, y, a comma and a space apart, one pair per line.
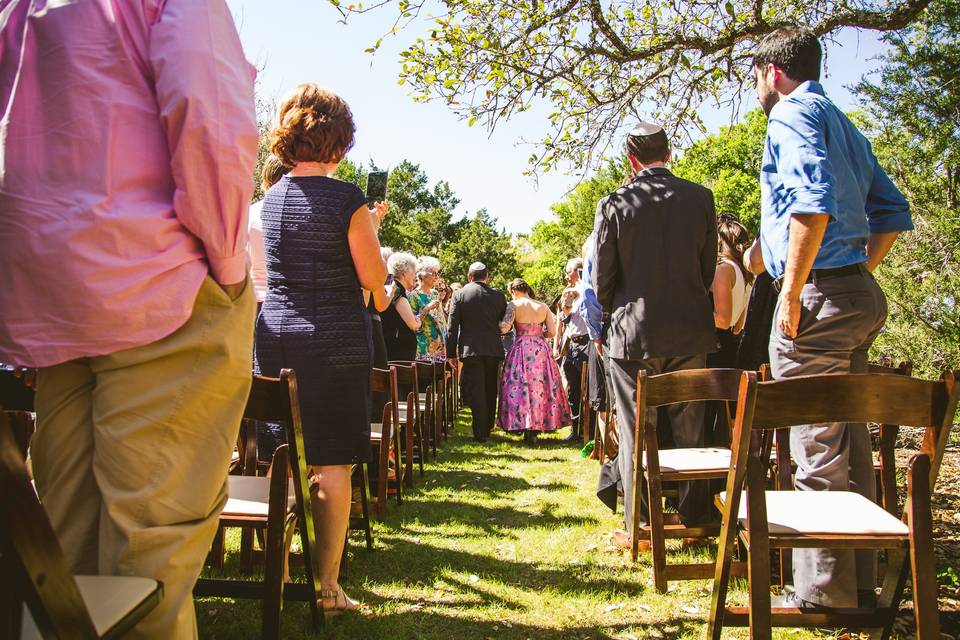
376, 187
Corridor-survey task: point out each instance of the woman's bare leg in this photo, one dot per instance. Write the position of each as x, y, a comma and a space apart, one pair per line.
330, 500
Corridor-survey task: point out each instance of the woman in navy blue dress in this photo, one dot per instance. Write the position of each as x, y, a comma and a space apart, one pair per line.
321, 247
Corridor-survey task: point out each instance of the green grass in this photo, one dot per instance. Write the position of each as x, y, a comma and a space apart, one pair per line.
498, 540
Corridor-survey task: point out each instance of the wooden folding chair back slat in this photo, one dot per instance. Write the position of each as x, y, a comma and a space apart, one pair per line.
694, 385
276, 400
880, 398
35, 571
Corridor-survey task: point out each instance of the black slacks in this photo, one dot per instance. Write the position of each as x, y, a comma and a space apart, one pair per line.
478, 386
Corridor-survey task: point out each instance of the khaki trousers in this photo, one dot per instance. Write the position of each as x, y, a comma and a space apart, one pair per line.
131, 452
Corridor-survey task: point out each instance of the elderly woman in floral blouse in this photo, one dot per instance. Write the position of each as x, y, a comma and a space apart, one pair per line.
433, 329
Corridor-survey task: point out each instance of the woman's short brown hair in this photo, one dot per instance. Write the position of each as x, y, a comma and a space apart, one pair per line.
313, 125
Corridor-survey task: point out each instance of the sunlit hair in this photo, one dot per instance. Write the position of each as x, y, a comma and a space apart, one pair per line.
573, 264
402, 263
385, 253
271, 172
313, 125
519, 284
733, 241
426, 265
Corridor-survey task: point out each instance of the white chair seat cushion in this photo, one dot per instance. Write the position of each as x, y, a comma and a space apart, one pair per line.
824, 512
376, 431
700, 459
108, 599
250, 496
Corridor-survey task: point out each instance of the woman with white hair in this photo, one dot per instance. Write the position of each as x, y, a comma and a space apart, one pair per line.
425, 302
400, 322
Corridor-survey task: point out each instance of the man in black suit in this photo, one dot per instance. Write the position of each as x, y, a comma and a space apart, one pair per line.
656, 256
474, 336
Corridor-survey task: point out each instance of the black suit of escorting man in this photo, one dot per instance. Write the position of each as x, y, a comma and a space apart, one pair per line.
656, 256
474, 336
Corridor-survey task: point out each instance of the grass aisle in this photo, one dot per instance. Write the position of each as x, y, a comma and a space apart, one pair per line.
497, 541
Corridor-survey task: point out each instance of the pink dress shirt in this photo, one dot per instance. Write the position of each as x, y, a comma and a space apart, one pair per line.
128, 143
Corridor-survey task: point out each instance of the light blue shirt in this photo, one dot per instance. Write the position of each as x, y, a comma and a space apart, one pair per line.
590, 309
816, 161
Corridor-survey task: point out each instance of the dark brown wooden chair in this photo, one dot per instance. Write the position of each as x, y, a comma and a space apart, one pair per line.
831, 519
17, 400
385, 442
654, 466
39, 596
280, 503
885, 466
407, 417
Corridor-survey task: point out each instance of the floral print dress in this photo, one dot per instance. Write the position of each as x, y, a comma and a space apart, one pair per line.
433, 328
532, 397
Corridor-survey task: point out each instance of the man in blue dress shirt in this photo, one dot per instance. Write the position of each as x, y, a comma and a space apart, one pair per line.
829, 216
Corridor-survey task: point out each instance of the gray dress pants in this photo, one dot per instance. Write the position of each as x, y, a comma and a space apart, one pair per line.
839, 320
686, 421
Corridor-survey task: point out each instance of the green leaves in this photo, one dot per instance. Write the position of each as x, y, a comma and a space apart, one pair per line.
600, 64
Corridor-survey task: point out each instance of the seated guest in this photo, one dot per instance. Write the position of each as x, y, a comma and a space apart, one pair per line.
314, 320
129, 138
454, 287
433, 325
400, 322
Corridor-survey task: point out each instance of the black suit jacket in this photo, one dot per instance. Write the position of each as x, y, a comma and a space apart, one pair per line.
656, 256
474, 328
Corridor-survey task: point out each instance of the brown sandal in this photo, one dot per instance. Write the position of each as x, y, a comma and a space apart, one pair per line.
338, 597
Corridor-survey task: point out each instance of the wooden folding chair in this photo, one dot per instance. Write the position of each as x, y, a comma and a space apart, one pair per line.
280, 503
385, 441
40, 597
406, 415
885, 466
654, 466
16, 398
832, 519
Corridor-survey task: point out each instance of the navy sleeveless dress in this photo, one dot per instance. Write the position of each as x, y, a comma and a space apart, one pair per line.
314, 320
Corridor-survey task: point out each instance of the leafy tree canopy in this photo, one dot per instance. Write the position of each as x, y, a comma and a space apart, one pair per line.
595, 64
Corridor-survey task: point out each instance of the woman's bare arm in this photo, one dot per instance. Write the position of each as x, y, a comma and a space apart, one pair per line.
365, 249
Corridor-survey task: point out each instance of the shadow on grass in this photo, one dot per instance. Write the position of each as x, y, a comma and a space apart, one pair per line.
429, 624
411, 563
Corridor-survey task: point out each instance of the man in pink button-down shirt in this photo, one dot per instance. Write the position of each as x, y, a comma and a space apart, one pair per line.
128, 144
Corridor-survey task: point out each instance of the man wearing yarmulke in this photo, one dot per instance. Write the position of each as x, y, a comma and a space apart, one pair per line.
655, 259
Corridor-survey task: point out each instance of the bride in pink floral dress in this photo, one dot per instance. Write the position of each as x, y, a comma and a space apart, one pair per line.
532, 398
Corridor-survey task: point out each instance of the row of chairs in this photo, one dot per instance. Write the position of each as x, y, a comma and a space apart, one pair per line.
760, 511
48, 601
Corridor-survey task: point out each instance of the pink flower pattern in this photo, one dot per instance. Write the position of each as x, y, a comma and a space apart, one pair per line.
531, 393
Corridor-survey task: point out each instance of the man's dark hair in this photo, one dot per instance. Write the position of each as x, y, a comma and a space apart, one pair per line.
648, 143
479, 275
797, 51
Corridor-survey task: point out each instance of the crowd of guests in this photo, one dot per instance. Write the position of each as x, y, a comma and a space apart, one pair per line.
128, 288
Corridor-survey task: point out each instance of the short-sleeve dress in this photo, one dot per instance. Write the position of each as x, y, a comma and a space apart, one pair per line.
314, 320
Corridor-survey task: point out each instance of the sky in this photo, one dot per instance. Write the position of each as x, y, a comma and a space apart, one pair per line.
294, 41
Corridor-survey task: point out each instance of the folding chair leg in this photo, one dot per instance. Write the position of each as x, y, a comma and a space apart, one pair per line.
919, 519
658, 546
215, 557
273, 547
758, 556
365, 503
891, 593
246, 550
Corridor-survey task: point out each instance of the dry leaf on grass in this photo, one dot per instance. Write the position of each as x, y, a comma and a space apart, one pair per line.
613, 607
